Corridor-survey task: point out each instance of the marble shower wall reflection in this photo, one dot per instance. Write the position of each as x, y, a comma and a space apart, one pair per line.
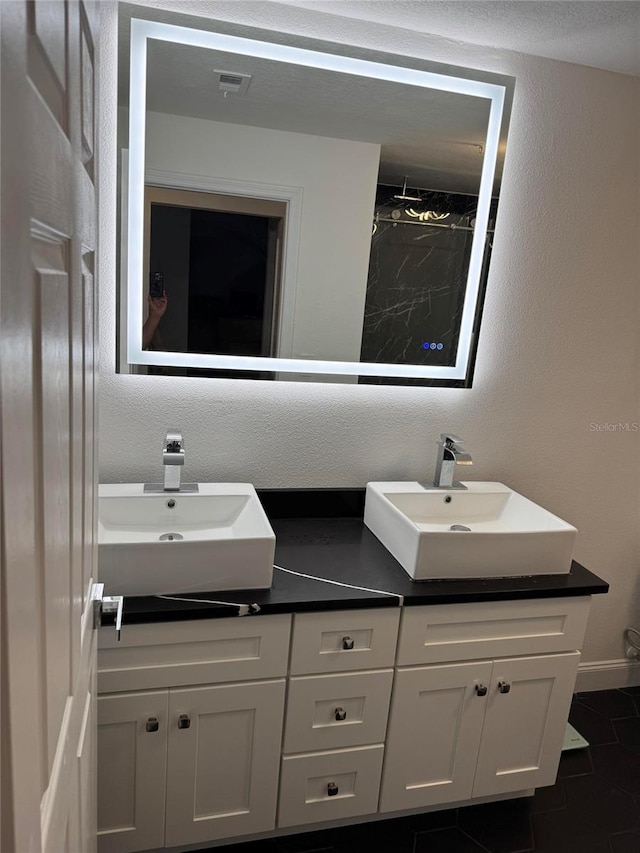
418, 269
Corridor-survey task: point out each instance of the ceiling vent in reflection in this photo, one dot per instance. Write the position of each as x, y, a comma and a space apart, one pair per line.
232, 82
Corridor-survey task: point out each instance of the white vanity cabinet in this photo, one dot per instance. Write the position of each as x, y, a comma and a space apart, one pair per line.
388, 710
485, 720
197, 759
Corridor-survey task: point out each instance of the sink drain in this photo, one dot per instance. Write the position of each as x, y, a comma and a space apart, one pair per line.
461, 527
171, 537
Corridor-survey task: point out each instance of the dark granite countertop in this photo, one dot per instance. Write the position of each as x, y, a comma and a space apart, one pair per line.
325, 543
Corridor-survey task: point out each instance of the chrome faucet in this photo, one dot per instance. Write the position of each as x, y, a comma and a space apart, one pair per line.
172, 459
450, 455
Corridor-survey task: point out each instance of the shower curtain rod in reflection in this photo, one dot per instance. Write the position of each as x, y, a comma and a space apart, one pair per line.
424, 224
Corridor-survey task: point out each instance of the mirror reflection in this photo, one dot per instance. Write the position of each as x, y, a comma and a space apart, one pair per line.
307, 220
214, 283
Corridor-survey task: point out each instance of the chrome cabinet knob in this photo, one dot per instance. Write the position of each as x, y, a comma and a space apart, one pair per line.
152, 724
347, 643
340, 714
481, 690
332, 789
504, 686
184, 721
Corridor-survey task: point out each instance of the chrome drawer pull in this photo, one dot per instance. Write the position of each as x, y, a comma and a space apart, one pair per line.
184, 721
347, 643
504, 686
340, 714
332, 789
481, 690
152, 724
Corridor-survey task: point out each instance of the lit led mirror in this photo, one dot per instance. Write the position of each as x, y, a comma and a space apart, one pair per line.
307, 214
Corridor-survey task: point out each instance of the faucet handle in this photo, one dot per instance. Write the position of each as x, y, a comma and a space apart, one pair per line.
173, 452
450, 439
174, 443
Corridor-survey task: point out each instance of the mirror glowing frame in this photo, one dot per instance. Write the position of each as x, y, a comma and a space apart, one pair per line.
141, 31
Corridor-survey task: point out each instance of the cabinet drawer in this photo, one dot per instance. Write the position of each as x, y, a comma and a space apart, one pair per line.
448, 632
344, 640
331, 711
206, 651
329, 785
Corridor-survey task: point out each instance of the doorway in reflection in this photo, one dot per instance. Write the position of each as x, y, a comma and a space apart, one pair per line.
219, 269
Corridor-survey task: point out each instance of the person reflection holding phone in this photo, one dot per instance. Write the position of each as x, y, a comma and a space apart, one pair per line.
157, 307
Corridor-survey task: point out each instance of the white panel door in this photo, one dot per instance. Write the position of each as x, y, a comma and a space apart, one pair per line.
527, 712
47, 345
437, 714
224, 756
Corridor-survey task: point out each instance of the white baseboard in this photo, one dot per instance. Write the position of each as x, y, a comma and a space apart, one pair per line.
607, 675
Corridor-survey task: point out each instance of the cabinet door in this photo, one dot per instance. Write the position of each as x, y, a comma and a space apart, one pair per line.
436, 723
132, 760
224, 754
527, 713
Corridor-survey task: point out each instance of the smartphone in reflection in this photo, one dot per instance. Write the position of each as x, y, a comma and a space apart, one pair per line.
156, 285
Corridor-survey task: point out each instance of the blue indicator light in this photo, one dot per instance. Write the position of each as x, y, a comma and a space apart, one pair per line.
440, 346
432, 346
425, 345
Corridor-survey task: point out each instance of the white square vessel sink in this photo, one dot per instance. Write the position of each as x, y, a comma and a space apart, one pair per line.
485, 531
161, 543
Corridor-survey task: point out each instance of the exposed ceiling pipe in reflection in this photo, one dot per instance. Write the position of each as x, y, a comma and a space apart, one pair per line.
404, 196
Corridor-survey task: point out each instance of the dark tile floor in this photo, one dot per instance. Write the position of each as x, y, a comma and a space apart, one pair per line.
594, 807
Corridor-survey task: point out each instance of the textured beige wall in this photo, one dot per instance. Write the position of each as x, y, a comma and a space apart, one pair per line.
558, 349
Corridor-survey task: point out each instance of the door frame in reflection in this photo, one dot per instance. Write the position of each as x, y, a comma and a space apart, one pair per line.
180, 280
290, 195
